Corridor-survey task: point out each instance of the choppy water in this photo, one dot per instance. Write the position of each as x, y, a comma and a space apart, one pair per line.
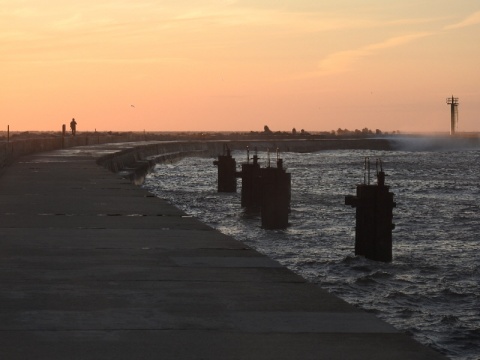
431, 289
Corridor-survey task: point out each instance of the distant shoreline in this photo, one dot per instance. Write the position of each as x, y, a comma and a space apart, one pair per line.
235, 136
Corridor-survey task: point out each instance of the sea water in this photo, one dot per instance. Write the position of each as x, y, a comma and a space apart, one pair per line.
431, 289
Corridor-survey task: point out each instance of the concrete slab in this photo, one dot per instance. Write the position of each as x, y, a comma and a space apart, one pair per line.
101, 203
207, 319
100, 221
147, 239
18, 272
198, 344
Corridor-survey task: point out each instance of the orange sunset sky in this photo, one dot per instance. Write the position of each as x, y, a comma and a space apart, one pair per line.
231, 65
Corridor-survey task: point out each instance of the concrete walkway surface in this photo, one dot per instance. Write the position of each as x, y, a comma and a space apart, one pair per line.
93, 267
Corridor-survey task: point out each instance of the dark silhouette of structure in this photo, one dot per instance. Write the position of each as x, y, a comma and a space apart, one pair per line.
227, 173
276, 194
251, 185
374, 205
453, 102
265, 189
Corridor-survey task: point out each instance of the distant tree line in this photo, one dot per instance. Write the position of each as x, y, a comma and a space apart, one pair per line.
338, 132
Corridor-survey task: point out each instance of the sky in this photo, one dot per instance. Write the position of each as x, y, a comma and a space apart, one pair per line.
226, 65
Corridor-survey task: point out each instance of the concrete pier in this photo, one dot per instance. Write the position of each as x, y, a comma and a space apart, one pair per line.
93, 267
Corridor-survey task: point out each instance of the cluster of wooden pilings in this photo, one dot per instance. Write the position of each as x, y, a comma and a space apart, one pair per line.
267, 190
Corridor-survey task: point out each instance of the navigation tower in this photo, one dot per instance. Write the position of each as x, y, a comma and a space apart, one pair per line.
453, 102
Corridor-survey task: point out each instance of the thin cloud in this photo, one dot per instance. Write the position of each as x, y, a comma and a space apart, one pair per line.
398, 41
343, 61
280, 20
471, 20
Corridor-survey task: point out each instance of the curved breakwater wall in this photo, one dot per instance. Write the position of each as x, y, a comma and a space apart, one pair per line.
139, 155
144, 155
136, 161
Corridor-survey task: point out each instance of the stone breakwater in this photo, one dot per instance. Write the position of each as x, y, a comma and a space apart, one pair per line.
140, 156
137, 154
134, 162
144, 155
12, 150
132, 154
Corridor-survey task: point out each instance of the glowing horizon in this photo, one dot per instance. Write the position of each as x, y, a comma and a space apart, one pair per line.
238, 65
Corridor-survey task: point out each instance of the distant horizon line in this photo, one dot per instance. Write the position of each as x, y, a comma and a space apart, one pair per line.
312, 132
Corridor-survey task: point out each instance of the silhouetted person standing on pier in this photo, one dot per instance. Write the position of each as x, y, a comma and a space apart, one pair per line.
73, 126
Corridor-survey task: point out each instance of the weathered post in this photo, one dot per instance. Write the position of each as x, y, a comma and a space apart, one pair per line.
64, 129
251, 185
374, 205
276, 190
227, 181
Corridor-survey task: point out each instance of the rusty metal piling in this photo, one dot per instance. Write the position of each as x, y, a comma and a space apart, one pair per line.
374, 205
227, 181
